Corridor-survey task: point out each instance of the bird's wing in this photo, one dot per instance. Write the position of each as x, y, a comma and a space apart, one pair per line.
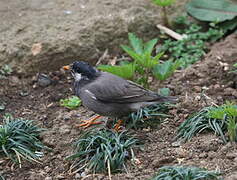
110, 88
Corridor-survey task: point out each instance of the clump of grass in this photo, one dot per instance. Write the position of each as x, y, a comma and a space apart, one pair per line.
219, 119
1, 177
71, 102
19, 139
102, 151
185, 173
148, 115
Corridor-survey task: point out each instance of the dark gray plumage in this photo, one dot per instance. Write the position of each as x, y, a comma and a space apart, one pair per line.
108, 94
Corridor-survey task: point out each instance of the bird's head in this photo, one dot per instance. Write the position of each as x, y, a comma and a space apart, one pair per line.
82, 70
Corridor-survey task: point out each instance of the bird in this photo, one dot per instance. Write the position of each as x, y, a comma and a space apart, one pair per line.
110, 95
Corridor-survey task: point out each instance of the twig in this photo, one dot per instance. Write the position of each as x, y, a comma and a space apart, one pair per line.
109, 170
102, 57
171, 33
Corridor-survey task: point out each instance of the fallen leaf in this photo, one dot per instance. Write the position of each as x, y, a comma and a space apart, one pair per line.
36, 48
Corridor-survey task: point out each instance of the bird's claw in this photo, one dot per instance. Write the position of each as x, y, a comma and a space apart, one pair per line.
88, 123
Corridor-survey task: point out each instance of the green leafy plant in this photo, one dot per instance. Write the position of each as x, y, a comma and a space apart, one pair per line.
185, 173
190, 49
5, 71
19, 139
235, 68
219, 119
103, 150
144, 63
164, 4
142, 55
125, 70
71, 102
166, 69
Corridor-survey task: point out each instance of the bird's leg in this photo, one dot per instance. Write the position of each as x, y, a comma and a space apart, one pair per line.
88, 123
118, 125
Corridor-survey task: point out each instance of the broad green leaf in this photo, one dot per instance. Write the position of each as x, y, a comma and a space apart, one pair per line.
131, 53
158, 56
228, 25
136, 43
71, 103
165, 70
125, 71
148, 46
164, 91
212, 10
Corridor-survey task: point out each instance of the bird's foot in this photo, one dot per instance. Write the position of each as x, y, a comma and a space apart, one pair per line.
117, 126
88, 123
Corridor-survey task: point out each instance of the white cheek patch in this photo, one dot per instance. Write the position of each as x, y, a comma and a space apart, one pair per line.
77, 77
91, 94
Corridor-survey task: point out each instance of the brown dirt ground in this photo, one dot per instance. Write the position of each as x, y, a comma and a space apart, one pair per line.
206, 150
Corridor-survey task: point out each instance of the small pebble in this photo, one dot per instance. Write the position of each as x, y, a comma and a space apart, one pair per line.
44, 80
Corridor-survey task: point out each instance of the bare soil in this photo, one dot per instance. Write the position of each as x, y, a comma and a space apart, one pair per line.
26, 99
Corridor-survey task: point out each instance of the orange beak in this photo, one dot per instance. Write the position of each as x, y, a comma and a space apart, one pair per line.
66, 67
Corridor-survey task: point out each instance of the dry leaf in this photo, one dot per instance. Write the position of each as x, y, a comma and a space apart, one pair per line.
36, 48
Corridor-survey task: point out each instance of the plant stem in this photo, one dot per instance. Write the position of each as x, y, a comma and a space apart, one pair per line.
165, 17
146, 78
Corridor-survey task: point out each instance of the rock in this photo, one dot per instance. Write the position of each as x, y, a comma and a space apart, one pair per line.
162, 161
233, 176
60, 177
77, 176
231, 155
44, 80
176, 144
48, 178
42, 35
65, 129
14, 80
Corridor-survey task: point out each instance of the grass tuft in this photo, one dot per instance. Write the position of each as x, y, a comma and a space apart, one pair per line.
103, 150
148, 115
220, 120
19, 139
185, 173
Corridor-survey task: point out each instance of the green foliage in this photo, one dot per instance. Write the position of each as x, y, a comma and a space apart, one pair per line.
166, 69
141, 52
190, 49
219, 119
19, 139
235, 68
185, 173
70, 103
144, 62
163, 2
227, 113
125, 71
2, 106
223, 12
164, 91
212, 10
99, 149
5, 71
